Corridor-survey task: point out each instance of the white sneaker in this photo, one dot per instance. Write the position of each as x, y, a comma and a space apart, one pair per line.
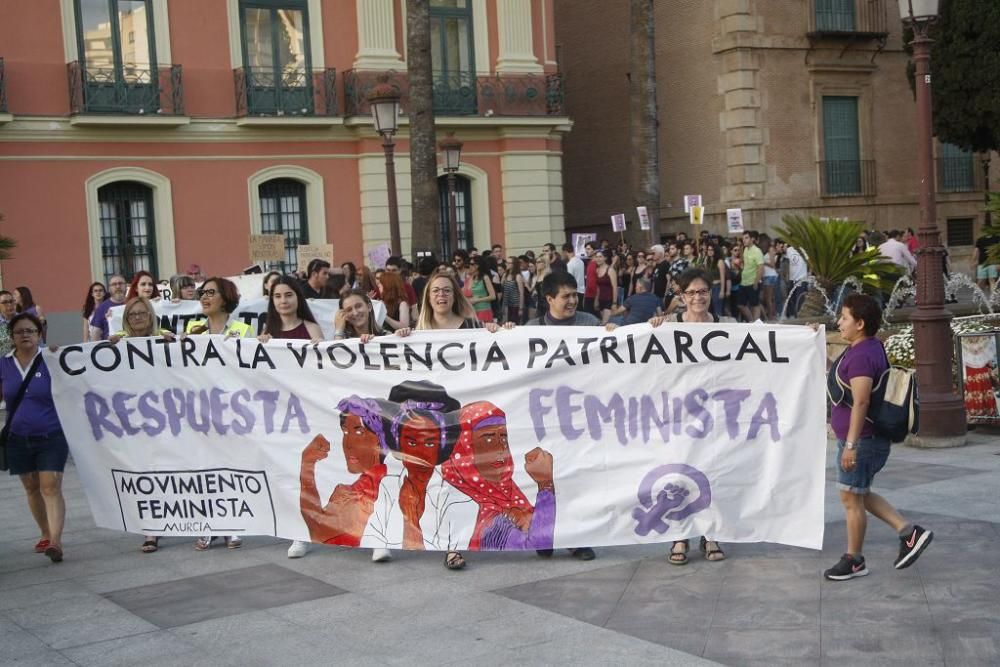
299, 549
381, 555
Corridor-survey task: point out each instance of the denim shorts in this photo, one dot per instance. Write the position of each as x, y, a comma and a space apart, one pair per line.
872, 453
37, 453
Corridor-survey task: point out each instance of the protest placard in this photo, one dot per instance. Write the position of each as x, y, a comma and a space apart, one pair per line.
618, 222
691, 200
734, 220
267, 247
696, 214
308, 252
643, 217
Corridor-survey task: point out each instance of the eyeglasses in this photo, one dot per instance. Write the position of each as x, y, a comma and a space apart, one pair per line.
139, 313
691, 293
25, 332
206, 292
442, 291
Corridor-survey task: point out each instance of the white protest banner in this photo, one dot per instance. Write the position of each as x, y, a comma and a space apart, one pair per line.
618, 222
580, 242
697, 214
532, 438
643, 217
734, 220
174, 315
691, 200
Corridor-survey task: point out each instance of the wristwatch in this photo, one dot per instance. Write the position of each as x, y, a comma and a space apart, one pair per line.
850, 445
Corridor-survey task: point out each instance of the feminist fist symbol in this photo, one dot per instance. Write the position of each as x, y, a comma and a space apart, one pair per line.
652, 515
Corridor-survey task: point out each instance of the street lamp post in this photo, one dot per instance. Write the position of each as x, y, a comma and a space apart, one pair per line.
942, 418
452, 150
384, 101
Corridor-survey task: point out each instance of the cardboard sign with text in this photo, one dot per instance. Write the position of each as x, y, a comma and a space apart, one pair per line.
310, 251
267, 247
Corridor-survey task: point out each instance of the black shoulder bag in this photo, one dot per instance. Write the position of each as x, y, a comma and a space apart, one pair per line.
12, 408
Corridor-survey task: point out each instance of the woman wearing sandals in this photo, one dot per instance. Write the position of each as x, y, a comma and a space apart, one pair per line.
35, 444
219, 298
695, 287
444, 306
139, 320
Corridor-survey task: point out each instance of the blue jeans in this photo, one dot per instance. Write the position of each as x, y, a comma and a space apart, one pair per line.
717, 300
872, 453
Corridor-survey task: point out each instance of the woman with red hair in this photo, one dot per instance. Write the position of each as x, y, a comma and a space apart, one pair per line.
482, 468
143, 284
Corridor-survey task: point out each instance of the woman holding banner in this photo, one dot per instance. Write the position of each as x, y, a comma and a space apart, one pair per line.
695, 289
288, 313
219, 299
356, 318
36, 449
138, 321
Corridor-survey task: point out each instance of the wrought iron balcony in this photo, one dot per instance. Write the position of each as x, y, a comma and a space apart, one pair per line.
126, 90
852, 19
847, 178
3, 89
466, 94
267, 92
958, 174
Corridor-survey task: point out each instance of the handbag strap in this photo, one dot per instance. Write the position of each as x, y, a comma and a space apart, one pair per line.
21, 391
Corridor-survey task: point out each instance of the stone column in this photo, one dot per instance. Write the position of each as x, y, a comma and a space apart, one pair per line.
377, 37
517, 54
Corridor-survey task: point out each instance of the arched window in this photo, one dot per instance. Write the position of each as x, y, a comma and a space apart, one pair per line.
128, 239
463, 213
283, 211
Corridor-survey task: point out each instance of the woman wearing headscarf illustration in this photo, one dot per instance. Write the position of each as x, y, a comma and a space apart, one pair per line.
421, 435
343, 519
482, 468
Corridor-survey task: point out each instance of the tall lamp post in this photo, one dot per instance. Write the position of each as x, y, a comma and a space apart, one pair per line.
452, 149
384, 101
942, 418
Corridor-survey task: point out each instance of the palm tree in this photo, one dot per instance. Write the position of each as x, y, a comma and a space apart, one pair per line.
6, 245
643, 118
828, 250
423, 139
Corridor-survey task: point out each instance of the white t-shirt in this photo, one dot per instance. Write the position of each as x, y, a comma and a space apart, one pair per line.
575, 268
797, 268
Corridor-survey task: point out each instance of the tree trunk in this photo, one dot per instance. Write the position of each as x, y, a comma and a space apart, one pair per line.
643, 121
423, 140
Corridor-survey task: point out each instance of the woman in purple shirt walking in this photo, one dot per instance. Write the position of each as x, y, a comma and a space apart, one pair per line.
36, 446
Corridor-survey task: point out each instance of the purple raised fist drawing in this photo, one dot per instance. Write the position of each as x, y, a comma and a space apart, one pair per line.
674, 501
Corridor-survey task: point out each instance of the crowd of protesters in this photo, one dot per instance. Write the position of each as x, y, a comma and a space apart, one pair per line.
707, 279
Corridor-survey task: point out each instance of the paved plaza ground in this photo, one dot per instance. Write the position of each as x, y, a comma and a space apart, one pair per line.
107, 604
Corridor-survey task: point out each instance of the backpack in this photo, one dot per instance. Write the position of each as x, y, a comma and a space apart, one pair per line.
894, 411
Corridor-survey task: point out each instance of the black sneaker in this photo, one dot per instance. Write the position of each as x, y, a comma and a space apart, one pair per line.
544, 553
583, 553
846, 568
912, 546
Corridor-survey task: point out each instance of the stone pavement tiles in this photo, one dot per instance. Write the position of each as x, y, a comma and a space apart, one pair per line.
107, 604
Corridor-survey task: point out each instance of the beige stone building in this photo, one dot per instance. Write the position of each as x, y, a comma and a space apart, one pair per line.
776, 106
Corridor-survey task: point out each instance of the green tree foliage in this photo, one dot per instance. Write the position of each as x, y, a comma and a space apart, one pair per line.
993, 228
828, 250
965, 70
6, 244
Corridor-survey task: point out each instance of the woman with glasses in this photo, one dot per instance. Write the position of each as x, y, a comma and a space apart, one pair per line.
182, 288
96, 294
36, 446
219, 299
139, 321
695, 288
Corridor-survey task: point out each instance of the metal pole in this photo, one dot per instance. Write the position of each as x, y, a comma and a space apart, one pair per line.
942, 411
390, 179
452, 214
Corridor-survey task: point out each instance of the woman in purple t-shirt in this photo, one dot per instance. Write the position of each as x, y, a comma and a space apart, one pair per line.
36, 446
861, 451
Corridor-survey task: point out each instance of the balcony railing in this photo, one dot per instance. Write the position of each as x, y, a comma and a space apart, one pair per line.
848, 18
958, 174
268, 92
126, 90
847, 178
3, 89
466, 94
